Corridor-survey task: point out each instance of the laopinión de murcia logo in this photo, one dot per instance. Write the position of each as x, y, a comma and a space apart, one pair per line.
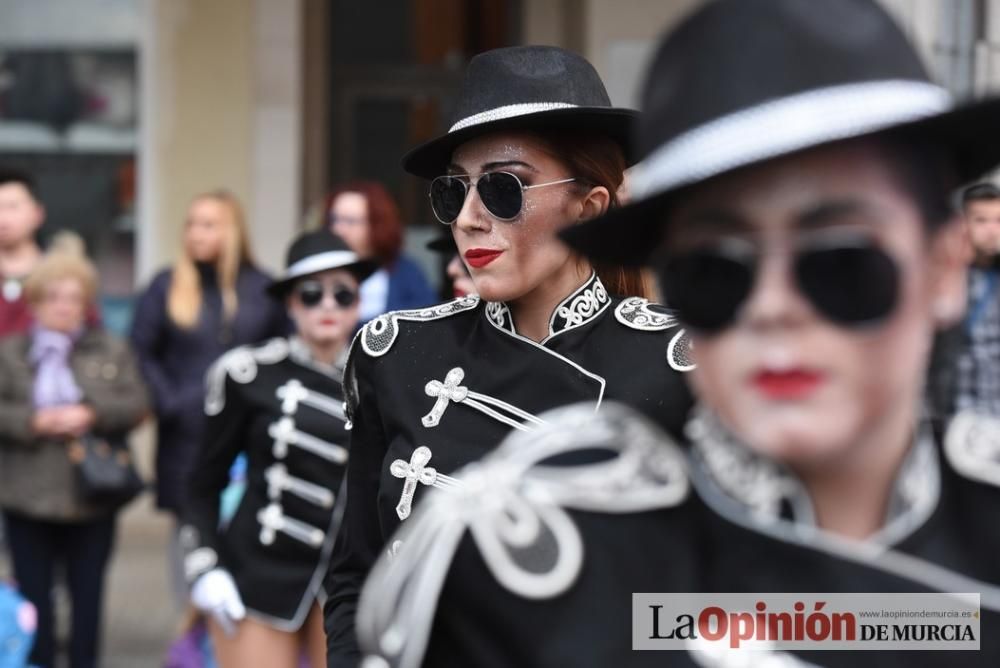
806, 621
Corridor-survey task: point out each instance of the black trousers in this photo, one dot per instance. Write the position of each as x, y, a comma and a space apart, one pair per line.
37, 548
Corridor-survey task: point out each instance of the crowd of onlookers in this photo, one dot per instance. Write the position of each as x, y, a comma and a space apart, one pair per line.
63, 378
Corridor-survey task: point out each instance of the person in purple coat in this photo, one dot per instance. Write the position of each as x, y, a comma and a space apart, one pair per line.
211, 300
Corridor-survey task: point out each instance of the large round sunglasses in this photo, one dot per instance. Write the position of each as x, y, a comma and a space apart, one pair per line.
847, 278
502, 193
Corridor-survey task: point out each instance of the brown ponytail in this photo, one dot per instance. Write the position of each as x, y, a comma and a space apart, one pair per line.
597, 160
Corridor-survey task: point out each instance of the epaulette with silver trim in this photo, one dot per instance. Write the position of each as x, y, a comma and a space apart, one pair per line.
378, 335
637, 313
240, 364
515, 509
972, 446
680, 352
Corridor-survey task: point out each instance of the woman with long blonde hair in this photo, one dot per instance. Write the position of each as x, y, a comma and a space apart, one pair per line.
211, 300
215, 234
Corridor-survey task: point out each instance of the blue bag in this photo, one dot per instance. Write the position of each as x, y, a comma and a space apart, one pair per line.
18, 621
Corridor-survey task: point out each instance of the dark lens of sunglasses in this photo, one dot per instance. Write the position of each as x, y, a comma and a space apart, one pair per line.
345, 297
447, 198
501, 194
705, 288
310, 294
850, 286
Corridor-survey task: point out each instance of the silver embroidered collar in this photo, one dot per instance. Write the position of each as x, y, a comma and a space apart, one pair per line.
581, 307
766, 492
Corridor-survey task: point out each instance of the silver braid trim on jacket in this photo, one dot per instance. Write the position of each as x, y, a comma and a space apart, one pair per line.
240, 364
515, 509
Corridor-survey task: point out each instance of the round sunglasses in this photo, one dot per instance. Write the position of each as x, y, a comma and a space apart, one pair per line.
310, 293
502, 193
847, 278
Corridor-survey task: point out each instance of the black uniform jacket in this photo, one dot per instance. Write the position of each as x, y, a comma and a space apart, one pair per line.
430, 391
286, 412
523, 565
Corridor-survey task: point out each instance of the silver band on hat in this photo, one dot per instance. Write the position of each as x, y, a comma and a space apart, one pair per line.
320, 262
509, 111
783, 126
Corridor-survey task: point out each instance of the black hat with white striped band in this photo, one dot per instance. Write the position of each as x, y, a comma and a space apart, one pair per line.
318, 251
525, 88
740, 82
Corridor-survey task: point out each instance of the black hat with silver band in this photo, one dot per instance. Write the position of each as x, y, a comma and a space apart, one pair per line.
318, 251
525, 88
745, 81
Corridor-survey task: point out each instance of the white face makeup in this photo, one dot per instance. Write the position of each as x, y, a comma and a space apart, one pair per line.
327, 322
509, 259
786, 380
461, 282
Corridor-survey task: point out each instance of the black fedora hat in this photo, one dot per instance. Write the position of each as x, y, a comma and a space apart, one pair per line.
740, 82
525, 87
443, 244
318, 251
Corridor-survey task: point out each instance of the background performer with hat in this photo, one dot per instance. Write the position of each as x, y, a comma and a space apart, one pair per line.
535, 147
281, 403
458, 282
794, 198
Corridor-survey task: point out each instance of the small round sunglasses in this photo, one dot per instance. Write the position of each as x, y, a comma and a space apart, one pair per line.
849, 279
310, 293
502, 193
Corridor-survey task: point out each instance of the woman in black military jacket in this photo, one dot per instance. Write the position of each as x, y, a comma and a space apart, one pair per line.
535, 147
806, 192
281, 403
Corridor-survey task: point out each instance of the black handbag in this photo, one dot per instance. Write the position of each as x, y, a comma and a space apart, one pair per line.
105, 474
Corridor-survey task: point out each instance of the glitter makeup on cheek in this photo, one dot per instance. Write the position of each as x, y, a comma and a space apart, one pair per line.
540, 208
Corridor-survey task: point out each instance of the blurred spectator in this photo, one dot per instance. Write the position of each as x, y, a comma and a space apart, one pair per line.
978, 376
211, 300
364, 214
20, 217
459, 282
57, 383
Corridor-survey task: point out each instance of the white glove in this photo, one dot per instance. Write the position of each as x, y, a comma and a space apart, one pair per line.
215, 593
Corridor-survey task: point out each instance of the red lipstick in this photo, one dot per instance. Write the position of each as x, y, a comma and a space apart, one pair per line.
480, 257
789, 384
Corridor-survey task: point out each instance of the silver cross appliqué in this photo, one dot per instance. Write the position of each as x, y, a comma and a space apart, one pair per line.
449, 390
413, 472
291, 394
